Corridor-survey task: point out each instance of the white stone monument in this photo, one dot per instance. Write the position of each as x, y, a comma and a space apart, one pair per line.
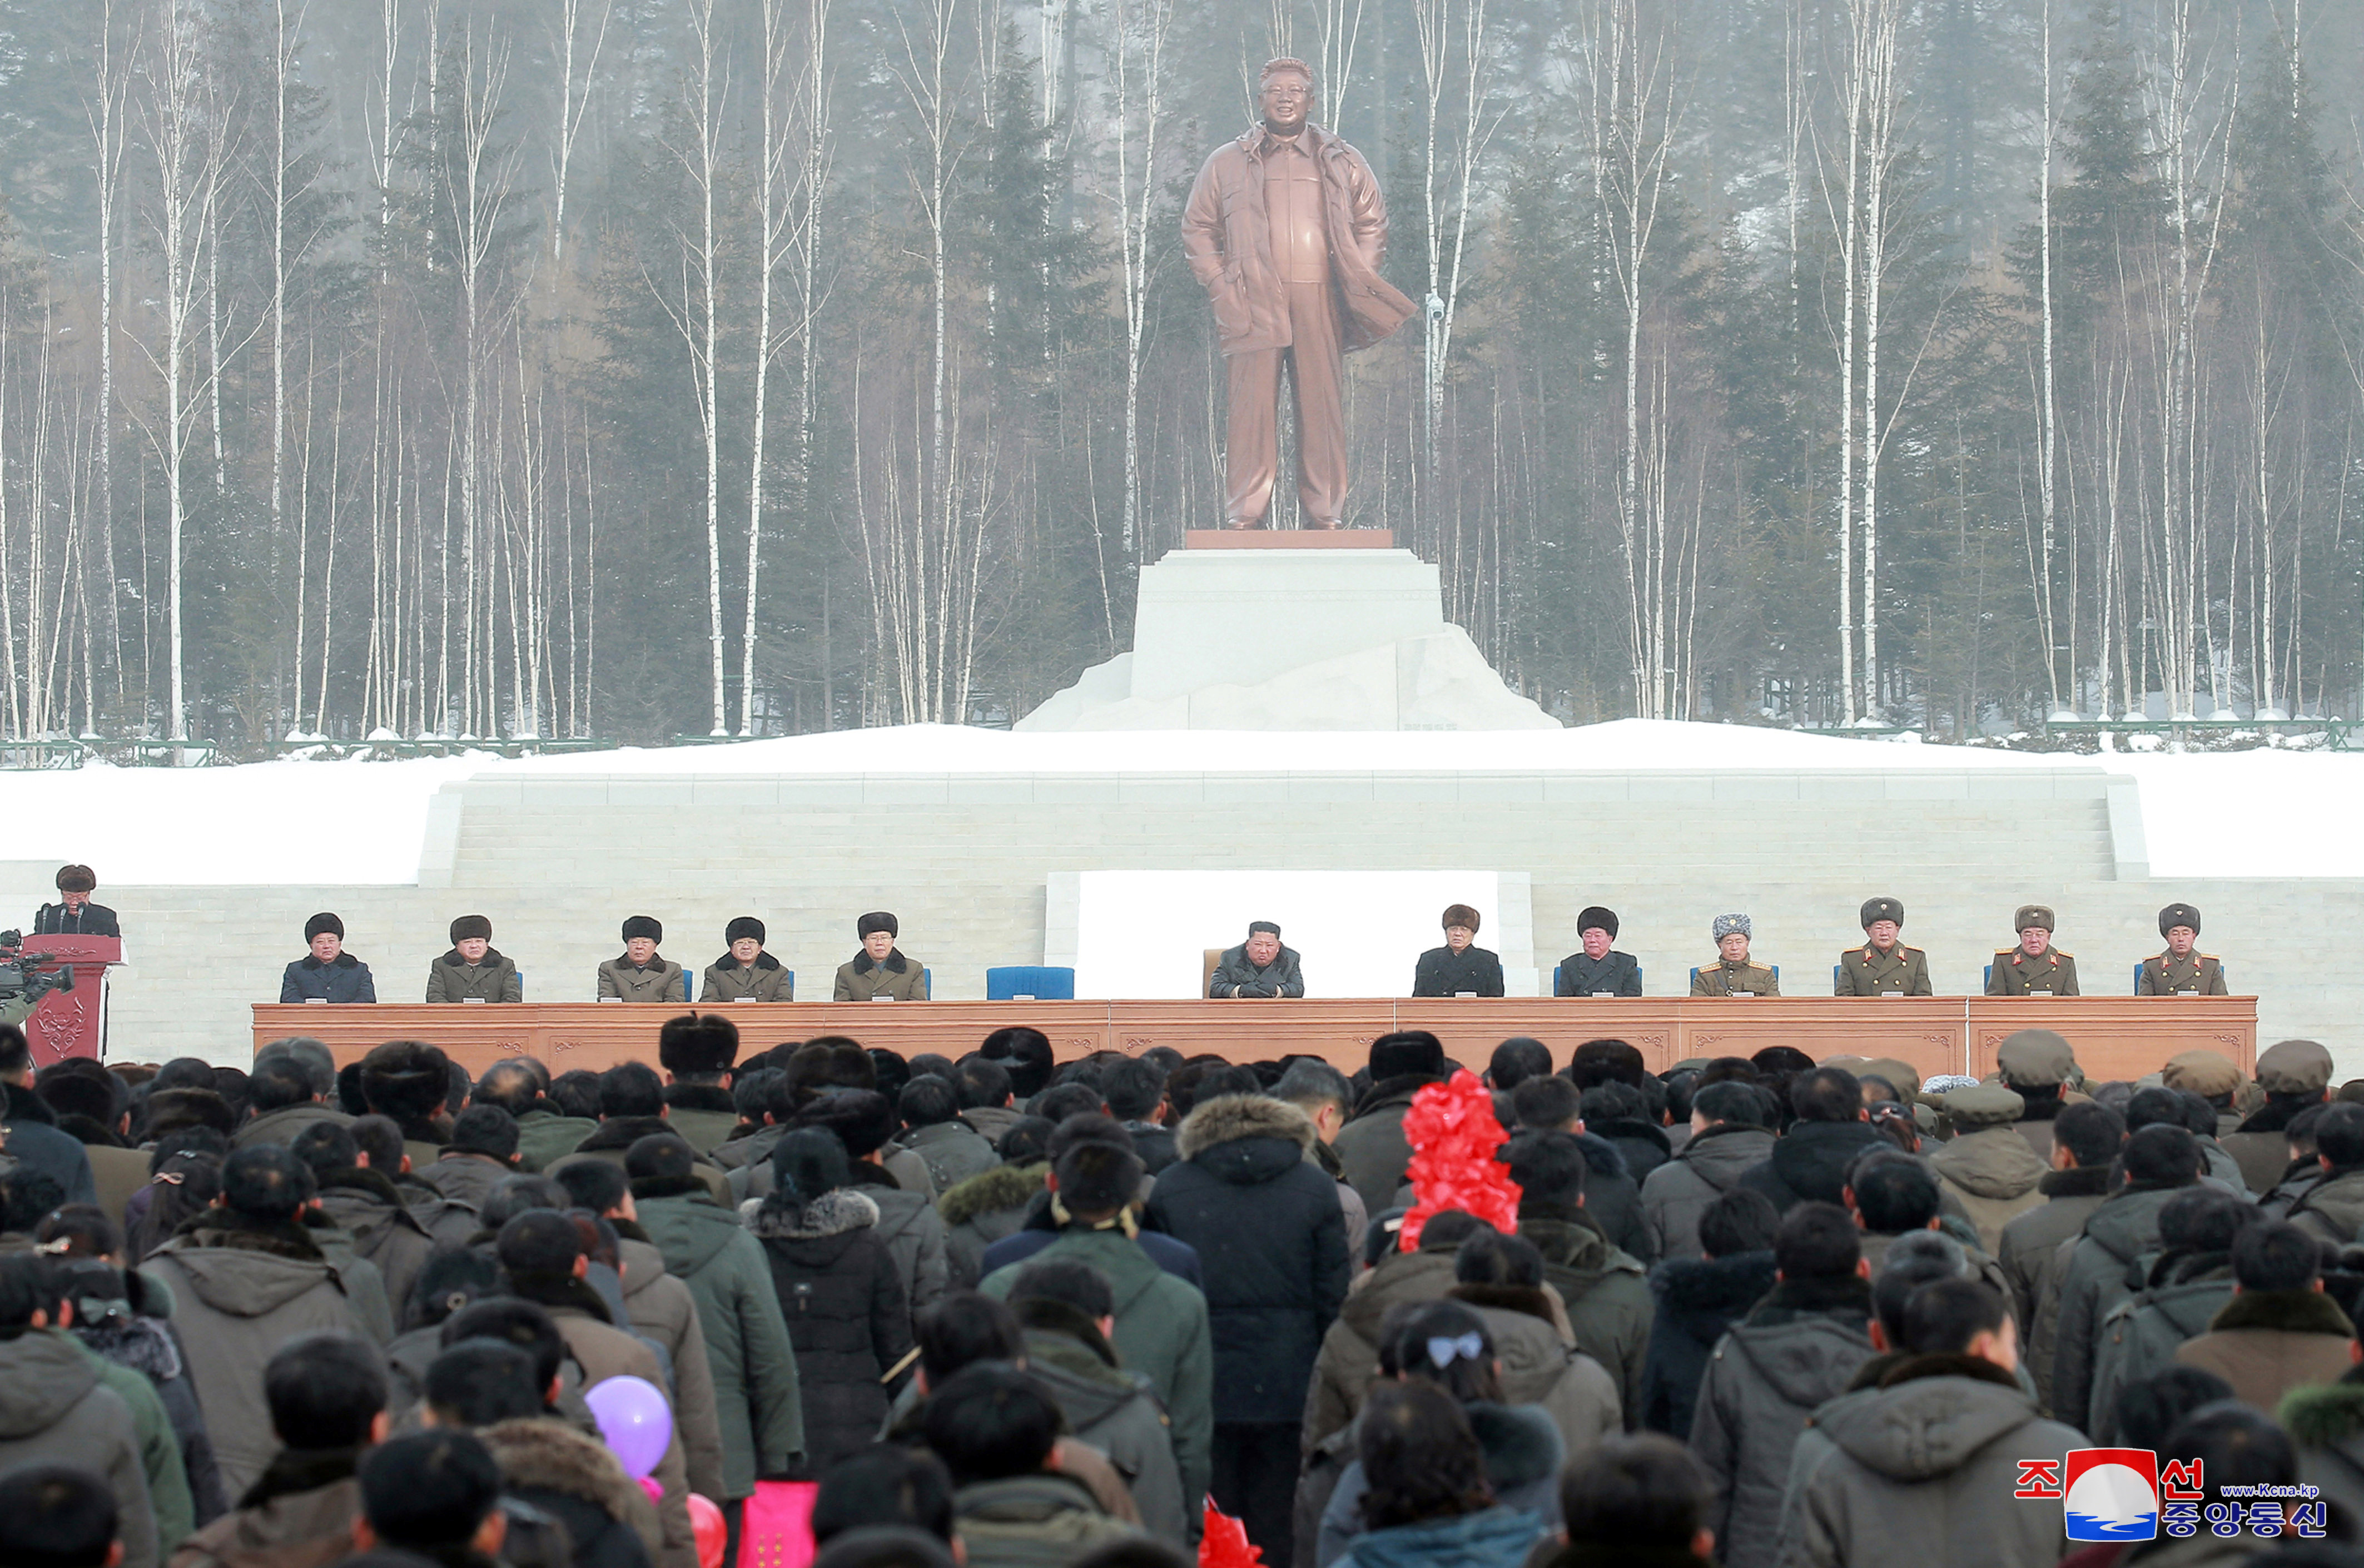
1262, 637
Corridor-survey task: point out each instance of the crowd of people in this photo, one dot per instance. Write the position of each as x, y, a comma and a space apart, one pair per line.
1010, 1313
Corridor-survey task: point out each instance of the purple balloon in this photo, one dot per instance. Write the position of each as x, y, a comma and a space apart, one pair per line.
634, 1420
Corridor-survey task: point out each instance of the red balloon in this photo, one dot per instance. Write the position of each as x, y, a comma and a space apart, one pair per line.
710, 1530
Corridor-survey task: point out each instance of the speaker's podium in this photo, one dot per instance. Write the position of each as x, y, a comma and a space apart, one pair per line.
73, 1023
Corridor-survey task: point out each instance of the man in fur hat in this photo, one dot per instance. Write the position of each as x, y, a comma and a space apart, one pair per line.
2033, 968
73, 915
880, 971
2180, 972
697, 1051
326, 973
639, 973
1458, 969
1596, 968
472, 971
1733, 974
1883, 966
745, 973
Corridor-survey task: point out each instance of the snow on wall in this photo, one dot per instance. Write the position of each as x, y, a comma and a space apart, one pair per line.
2250, 814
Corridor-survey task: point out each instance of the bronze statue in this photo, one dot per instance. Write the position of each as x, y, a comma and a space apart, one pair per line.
1285, 229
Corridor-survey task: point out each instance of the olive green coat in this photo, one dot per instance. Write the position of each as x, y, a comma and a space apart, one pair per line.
754, 1366
1723, 978
453, 979
544, 1136
660, 982
2016, 974
866, 980
2164, 975
766, 979
1868, 972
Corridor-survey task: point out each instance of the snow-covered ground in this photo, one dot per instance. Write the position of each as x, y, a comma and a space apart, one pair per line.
2248, 813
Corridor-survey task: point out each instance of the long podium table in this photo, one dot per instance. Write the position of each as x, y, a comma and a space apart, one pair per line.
2114, 1037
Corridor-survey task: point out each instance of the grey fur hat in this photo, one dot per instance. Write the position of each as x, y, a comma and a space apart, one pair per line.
1731, 925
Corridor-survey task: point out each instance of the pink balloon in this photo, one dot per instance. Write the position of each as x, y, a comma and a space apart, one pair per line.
709, 1529
634, 1420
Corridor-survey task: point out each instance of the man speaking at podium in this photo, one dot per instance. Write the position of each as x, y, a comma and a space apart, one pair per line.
73, 915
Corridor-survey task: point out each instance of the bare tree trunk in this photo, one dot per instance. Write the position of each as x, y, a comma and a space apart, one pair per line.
1137, 84
106, 114
573, 105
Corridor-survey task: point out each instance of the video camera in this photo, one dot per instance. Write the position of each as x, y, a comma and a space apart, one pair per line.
24, 980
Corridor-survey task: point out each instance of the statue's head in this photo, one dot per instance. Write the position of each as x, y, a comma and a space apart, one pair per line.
1287, 93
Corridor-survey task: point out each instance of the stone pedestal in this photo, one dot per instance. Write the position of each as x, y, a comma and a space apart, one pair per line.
1291, 640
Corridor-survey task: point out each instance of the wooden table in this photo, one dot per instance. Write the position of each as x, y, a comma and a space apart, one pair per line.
2115, 1036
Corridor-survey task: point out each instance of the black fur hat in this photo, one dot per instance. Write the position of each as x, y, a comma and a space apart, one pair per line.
697, 1042
862, 1120
644, 926
877, 920
324, 922
467, 926
745, 925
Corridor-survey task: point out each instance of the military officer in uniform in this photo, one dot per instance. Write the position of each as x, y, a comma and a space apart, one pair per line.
1883, 966
2033, 968
1731, 974
2180, 972
1596, 969
1459, 968
639, 973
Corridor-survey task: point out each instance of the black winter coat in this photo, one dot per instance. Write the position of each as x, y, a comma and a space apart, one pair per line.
343, 978
1698, 1300
1617, 973
1443, 972
846, 1313
1272, 1241
1809, 1163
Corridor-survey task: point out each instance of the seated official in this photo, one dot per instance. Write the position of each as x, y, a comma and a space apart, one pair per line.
880, 969
471, 971
747, 973
1883, 966
2180, 972
1257, 967
1731, 974
73, 915
1597, 969
2033, 968
1458, 969
640, 974
326, 973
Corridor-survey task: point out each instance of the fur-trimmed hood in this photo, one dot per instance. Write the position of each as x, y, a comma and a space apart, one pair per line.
1528, 1300
2324, 1415
550, 1456
893, 962
699, 1097
2283, 1311
1228, 1118
831, 1214
1522, 1445
1003, 1188
1705, 1294
622, 1132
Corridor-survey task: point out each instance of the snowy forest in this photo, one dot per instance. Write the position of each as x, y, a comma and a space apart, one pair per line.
652, 368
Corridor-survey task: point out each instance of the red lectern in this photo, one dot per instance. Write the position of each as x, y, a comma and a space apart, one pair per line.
73, 1023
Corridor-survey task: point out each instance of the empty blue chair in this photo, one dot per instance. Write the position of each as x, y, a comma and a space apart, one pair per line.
1043, 982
